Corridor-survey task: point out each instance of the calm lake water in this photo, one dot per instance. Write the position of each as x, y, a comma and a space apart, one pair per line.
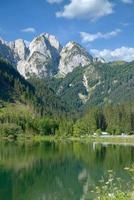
59, 171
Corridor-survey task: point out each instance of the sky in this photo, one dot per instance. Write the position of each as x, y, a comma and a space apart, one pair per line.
104, 27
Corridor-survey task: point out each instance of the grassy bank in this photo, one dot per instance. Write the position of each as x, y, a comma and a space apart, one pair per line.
97, 139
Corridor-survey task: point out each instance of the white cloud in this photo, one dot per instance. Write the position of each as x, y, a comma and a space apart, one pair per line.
88, 37
29, 30
86, 9
127, 1
123, 53
54, 1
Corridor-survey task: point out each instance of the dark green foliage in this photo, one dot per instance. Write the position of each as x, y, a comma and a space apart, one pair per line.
13, 87
110, 83
28, 122
69, 87
51, 104
113, 119
116, 84
65, 127
45, 126
39, 99
8, 129
16, 114
12, 84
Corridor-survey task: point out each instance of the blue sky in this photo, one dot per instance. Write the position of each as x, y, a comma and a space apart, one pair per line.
99, 25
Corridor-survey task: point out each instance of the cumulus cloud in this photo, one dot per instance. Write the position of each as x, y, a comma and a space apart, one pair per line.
88, 37
127, 1
29, 30
54, 1
86, 9
123, 53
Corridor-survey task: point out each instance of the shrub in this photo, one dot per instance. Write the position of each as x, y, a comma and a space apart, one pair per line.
110, 189
7, 129
98, 131
45, 126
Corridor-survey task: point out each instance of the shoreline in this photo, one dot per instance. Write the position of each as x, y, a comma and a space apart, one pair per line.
97, 139
110, 139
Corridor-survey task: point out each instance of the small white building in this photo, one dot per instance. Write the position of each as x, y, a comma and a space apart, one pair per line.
104, 133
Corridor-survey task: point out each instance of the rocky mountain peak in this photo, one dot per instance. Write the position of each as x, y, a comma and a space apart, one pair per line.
44, 56
71, 44
45, 39
53, 41
2, 41
99, 60
6, 52
73, 55
19, 48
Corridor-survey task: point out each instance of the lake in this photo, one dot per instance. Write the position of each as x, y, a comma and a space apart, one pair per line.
60, 170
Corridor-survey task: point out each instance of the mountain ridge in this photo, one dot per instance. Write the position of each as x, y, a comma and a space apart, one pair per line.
14, 89
45, 56
75, 77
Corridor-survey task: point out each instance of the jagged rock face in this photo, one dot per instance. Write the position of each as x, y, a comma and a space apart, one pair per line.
40, 58
44, 56
89, 76
6, 52
53, 41
99, 60
22, 67
19, 48
13, 51
72, 56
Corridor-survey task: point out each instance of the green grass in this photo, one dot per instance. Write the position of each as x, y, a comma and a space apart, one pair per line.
98, 139
111, 140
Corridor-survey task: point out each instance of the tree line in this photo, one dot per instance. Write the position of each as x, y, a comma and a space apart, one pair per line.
112, 119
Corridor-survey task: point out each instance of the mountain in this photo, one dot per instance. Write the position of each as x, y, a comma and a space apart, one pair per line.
44, 56
72, 56
69, 77
35, 94
6, 52
13, 87
95, 85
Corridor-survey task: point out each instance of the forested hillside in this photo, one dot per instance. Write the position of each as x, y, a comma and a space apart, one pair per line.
113, 119
95, 85
12, 85
89, 100
27, 107
13, 88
